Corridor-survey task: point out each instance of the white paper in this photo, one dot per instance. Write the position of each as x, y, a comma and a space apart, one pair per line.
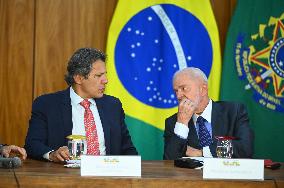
218, 168
110, 165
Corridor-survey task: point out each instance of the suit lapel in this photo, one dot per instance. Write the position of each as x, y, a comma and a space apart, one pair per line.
66, 111
217, 120
106, 128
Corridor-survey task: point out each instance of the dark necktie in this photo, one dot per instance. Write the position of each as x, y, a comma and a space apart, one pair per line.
203, 133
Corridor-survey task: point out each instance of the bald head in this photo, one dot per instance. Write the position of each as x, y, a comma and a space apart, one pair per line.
192, 73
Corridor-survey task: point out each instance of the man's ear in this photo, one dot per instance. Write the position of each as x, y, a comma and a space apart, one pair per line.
78, 79
204, 90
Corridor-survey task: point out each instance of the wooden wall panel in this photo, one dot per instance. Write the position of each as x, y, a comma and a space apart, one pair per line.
16, 68
223, 10
62, 26
34, 63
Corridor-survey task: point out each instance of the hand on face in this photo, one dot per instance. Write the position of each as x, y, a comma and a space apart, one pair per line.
188, 93
12, 149
60, 155
186, 108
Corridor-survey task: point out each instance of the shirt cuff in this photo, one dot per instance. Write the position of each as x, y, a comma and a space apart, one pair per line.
181, 130
46, 155
206, 152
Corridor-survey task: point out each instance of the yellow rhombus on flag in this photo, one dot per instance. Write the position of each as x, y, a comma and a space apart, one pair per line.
148, 41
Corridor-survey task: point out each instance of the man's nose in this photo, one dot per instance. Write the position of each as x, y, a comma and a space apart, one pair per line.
105, 80
179, 94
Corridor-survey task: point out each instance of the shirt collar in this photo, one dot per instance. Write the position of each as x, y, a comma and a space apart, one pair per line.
76, 99
206, 114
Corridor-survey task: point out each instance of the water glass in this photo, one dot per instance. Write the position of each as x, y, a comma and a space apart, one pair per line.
77, 146
224, 147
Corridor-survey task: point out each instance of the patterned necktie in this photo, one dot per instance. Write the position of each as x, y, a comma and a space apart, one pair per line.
204, 135
91, 130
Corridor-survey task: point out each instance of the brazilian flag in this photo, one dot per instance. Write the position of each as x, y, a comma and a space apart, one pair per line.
148, 41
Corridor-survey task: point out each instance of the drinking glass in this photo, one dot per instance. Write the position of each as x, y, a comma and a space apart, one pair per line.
224, 146
77, 146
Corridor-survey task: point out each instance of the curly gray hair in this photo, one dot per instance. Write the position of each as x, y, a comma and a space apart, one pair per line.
81, 63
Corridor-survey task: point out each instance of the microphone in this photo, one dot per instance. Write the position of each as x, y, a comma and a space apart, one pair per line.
13, 162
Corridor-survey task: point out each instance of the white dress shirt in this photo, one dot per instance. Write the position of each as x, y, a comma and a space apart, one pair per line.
182, 130
78, 121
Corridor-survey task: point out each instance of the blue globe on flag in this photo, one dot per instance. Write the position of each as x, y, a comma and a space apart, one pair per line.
153, 45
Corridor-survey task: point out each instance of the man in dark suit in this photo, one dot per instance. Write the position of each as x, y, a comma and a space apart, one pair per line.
192, 130
82, 109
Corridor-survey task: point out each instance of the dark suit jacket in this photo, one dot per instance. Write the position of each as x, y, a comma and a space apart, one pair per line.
51, 122
227, 119
1, 146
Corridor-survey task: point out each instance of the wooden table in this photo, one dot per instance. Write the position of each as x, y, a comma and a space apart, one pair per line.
154, 174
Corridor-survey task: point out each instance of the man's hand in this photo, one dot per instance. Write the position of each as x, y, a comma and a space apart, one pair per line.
186, 109
60, 155
192, 152
12, 149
